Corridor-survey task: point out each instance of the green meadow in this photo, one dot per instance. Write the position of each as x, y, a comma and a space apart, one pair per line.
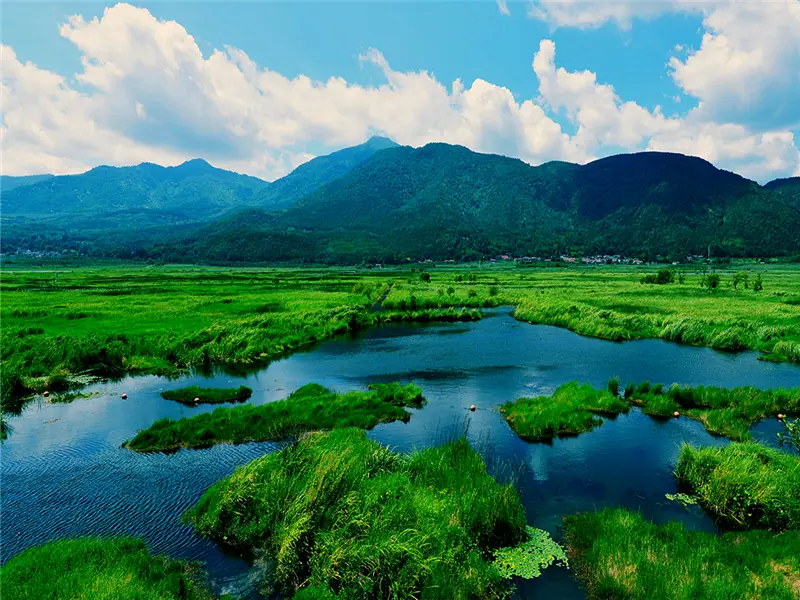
61, 327
101, 569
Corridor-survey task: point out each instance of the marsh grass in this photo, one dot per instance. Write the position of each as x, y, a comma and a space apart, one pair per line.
722, 411
346, 518
744, 485
312, 407
619, 555
101, 569
575, 408
572, 409
197, 395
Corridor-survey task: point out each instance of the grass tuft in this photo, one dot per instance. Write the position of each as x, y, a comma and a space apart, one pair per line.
187, 395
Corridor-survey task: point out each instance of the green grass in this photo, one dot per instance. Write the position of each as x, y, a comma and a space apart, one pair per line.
61, 327
198, 395
572, 409
744, 485
727, 412
344, 517
100, 569
620, 556
312, 407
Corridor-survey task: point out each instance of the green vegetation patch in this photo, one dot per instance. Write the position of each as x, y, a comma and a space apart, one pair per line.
312, 407
744, 484
726, 412
619, 555
572, 409
197, 395
343, 517
101, 569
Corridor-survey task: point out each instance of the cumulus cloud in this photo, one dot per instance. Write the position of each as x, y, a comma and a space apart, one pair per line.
146, 92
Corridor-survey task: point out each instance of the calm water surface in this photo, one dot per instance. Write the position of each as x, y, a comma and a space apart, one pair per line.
64, 473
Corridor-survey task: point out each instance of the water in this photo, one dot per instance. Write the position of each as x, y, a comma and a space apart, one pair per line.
64, 473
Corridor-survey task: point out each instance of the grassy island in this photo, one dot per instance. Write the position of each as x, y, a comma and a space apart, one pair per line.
345, 518
619, 555
575, 408
744, 485
312, 407
198, 395
101, 569
572, 409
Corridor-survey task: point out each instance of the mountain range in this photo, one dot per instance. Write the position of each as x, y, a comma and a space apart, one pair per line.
386, 203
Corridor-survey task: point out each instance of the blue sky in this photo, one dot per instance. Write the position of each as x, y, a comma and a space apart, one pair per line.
628, 76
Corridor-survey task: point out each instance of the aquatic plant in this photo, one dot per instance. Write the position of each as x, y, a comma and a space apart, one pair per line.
197, 395
312, 407
572, 409
744, 484
102, 569
790, 436
343, 517
617, 554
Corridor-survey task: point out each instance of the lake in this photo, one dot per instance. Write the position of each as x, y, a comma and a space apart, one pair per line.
64, 473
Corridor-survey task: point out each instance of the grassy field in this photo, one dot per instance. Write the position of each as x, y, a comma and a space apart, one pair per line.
62, 327
101, 569
620, 556
312, 407
198, 395
744, 485
344, 517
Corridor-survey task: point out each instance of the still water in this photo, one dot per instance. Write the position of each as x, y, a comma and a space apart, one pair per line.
64, 473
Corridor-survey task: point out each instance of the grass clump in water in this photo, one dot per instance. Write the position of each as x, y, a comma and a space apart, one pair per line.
312, 407
198, 395
744, 484
726, 412
572, 409
345, 518
619, 555
101, 569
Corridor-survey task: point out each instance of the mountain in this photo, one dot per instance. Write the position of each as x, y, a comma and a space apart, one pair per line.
442, 201
9, 182
788, 182
149, 195
309, 176
133, 196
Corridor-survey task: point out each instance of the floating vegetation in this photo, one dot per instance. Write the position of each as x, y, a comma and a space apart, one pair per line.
312, 407
199, 395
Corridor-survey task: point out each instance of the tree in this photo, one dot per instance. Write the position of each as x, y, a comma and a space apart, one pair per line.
758, 285
740, 277
425, 276
710, 281
451, 290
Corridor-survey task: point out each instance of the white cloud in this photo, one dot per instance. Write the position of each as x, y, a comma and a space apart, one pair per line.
502, 6
747, 69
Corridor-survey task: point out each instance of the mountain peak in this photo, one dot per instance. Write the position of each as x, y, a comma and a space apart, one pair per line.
379, 141
196, 163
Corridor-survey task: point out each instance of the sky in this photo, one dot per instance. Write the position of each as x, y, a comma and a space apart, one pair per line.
261, 87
